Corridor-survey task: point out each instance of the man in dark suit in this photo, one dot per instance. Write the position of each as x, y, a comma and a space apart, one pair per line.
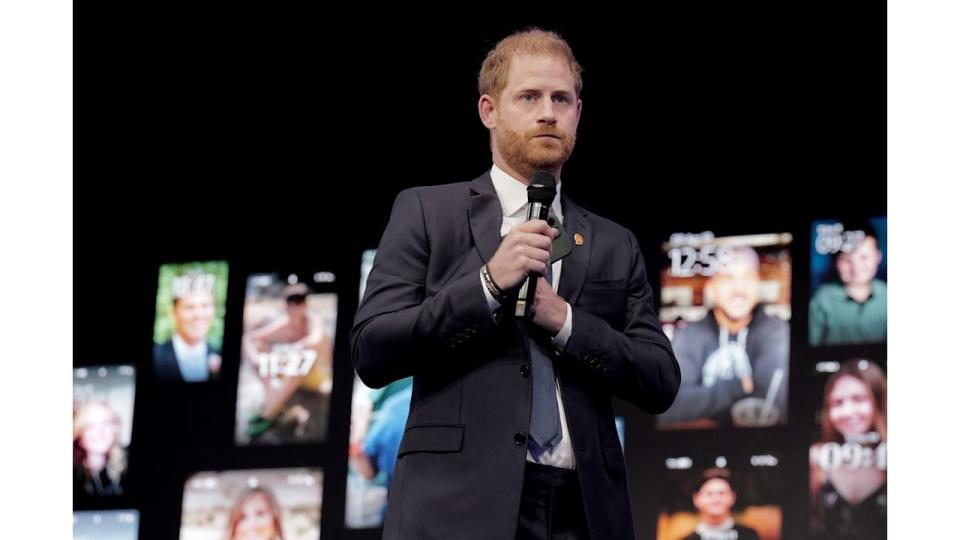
511, 431
187, 356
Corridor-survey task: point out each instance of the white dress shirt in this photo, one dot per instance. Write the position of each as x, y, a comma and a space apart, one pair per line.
192, 360
513, 201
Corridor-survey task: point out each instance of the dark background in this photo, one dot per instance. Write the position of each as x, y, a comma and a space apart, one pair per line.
278, 140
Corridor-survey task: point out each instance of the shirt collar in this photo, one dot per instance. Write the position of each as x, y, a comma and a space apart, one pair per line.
184, 350
513, 193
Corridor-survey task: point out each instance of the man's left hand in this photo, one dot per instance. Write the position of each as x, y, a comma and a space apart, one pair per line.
549, 309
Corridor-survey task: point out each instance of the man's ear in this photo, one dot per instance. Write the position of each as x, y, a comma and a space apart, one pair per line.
487, 108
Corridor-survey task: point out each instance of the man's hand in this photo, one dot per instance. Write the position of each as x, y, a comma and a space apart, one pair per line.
549, 309
526, 248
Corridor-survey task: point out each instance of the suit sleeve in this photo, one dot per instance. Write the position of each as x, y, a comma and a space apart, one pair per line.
398, 328
637, 364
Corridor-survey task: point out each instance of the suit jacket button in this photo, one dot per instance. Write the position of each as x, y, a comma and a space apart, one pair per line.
520, 439
524, 370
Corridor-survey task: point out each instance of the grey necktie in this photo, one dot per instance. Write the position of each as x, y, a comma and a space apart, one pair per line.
545, 432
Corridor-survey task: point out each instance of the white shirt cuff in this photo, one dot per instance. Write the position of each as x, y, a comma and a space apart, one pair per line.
560, 340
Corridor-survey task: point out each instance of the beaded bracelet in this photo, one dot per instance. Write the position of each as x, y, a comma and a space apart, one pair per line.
495, 291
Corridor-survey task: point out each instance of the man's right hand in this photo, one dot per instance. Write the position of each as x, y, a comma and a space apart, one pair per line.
525, 249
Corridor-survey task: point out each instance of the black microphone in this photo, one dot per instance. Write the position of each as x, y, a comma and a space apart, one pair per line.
540, 193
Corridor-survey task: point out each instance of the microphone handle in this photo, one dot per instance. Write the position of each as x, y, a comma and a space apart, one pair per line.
528, 291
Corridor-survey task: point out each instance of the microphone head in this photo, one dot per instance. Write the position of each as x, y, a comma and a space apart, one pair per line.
542, 188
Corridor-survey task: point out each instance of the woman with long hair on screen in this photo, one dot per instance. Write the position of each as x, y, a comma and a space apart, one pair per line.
99, 462
255, 516
848, 469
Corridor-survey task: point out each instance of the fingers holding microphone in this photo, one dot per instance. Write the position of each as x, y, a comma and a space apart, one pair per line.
526, 249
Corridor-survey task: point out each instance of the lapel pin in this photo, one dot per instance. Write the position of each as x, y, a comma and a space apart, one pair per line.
578, 239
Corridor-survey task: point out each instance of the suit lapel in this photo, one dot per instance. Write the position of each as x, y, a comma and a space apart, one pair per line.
486, 216
575, 265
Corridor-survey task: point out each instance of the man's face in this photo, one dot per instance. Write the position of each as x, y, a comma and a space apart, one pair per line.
735, 288
296, 306
715, 498
193, 315
859, 266
537, 114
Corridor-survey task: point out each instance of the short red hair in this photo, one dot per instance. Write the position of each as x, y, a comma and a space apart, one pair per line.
533, 41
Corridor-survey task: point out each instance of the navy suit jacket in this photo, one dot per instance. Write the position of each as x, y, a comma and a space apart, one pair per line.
424, 314
165, 366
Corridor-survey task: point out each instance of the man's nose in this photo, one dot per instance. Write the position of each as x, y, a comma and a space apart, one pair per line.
547, 113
